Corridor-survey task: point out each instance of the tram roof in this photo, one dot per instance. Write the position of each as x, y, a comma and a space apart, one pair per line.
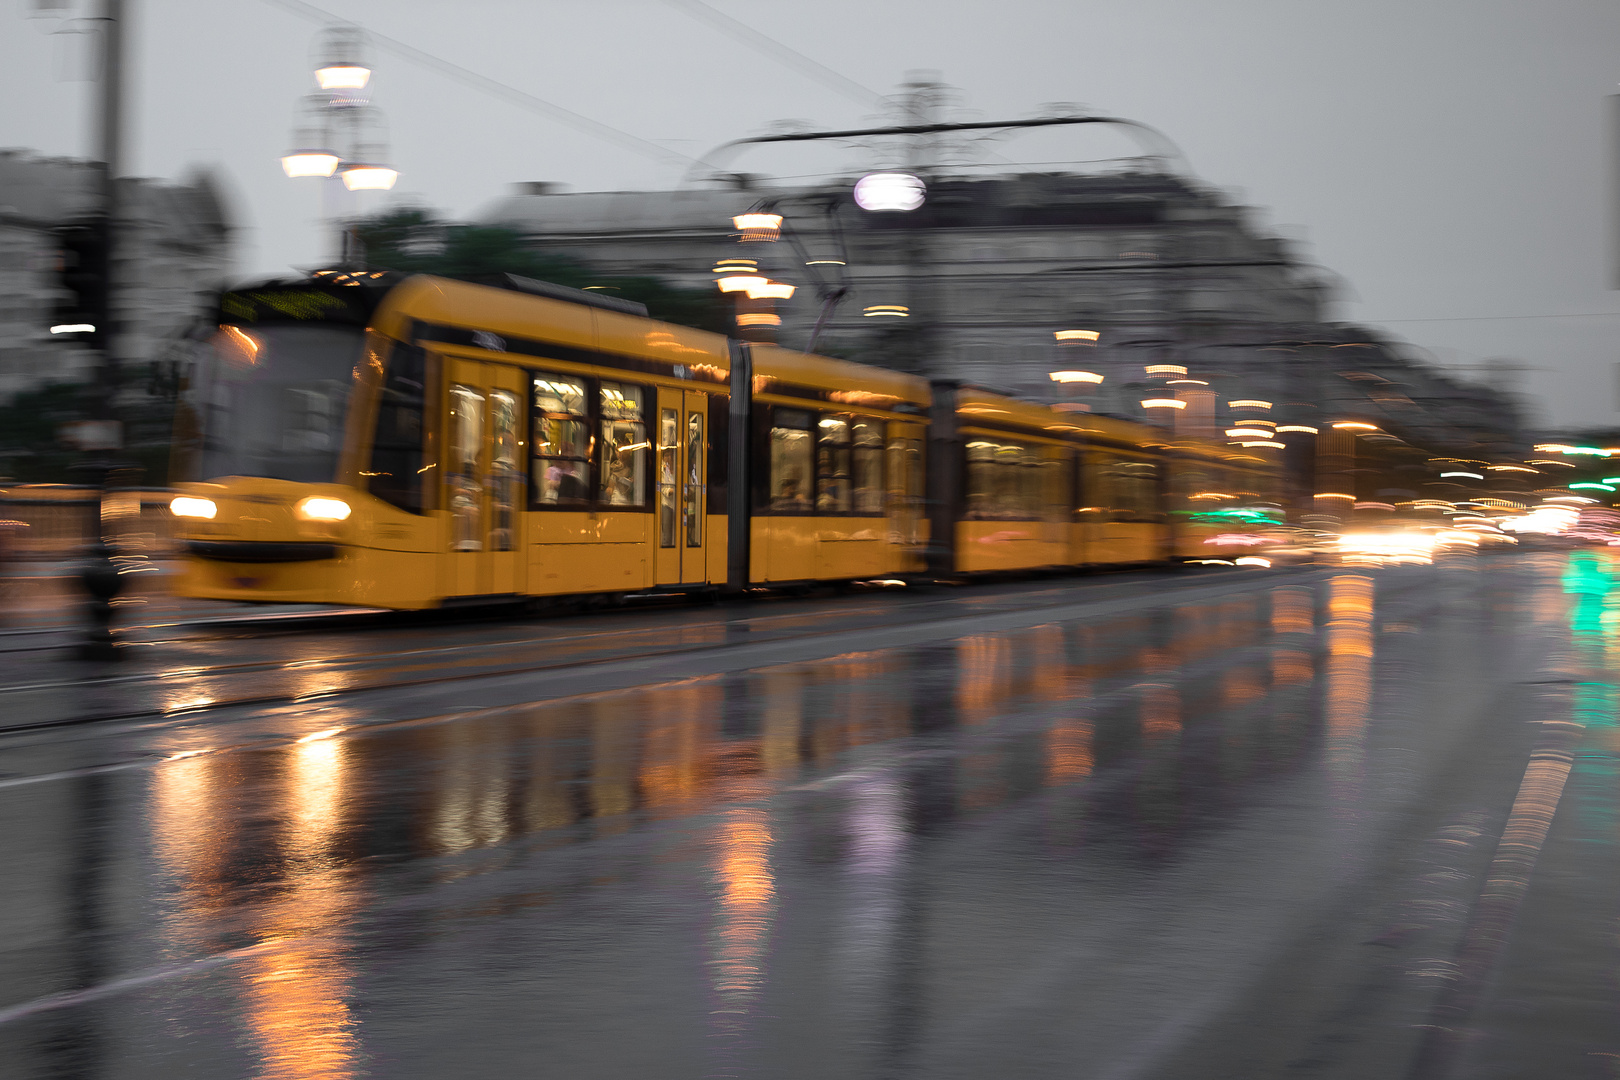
845, 382
513, 314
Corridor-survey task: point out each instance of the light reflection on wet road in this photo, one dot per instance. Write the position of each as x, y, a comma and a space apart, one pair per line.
1311, 825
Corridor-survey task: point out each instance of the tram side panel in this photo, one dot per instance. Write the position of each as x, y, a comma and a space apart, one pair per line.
834, 494
1123, 520
396, 414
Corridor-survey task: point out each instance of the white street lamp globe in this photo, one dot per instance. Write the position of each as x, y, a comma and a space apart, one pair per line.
310, 163
343, 77
889, 191
340, 63
369, 177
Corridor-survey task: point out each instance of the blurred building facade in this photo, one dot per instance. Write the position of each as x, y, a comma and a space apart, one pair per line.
1186, 295
175, 252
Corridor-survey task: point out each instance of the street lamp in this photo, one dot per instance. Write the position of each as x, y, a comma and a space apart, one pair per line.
341, 132
884, 191
342, 63
312, 155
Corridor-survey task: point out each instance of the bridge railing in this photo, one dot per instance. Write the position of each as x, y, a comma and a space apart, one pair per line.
55, 521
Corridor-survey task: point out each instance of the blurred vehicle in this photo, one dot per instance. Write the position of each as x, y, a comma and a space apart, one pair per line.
408, 442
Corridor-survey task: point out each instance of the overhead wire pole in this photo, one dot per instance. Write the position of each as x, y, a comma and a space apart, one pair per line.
921, 339
1166, 150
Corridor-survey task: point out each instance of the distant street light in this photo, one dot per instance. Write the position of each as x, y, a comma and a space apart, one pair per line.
882, 191
759, 226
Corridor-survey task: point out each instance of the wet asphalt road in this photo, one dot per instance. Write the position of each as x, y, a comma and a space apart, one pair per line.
1302, 824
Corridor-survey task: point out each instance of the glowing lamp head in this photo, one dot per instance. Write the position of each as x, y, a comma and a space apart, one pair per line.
759, 226
369, 177
743, 283
771, 290
1075, 377
319, 508
310, 163
190, 506
343, 76
1086, 336
889, 191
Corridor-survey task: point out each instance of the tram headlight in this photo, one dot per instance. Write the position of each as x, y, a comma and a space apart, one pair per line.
323, 509
189, 506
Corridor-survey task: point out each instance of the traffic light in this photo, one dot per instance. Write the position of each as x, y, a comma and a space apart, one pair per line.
82, 312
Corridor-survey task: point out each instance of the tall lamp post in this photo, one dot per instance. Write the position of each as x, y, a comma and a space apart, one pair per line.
340, 134
101, 434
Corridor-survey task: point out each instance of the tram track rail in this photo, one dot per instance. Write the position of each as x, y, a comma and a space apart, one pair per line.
897, 617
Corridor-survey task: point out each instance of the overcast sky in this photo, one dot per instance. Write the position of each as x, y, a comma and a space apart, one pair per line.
1448, 159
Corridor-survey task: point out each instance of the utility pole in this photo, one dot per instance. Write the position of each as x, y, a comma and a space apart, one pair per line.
103, 435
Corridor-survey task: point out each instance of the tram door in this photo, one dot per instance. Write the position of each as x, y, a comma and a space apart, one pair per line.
484, 479
682, 471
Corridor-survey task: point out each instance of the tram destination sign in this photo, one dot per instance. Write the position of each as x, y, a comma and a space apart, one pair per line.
300, 303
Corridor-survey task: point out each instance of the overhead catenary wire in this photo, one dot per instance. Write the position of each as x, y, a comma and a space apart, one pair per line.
785, 53
521, 98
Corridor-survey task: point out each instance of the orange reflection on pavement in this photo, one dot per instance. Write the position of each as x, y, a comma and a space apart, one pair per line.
1161, 703
1292, 610
742, 927
678, 741
296, 1005
187, 844
984, 662
1349, 676
1049, 668
1068, 751
1069, 754
293, 998
781, 721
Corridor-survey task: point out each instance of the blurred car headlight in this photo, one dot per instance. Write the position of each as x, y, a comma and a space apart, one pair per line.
189, 506
322, 509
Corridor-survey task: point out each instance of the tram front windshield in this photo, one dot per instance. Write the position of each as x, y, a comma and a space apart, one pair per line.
270, 401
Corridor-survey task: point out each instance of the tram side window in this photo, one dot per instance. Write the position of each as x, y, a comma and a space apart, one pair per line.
790, 461
562, 442
1134, 486
905, 489
505, 479
1057, 489
832, 465
867, 466
395, 471
1003, 482
624, 445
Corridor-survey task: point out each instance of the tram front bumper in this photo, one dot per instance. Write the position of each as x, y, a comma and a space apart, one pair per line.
261, 551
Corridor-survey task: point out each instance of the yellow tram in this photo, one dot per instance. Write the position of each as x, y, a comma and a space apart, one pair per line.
411, 442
